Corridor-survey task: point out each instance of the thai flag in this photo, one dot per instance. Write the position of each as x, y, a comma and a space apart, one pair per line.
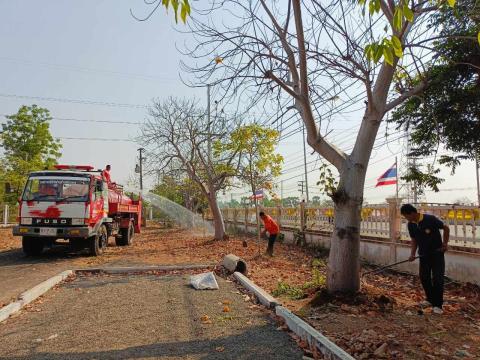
389, 177
258, 195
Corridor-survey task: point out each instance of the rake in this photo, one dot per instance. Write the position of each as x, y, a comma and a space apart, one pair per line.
380, 269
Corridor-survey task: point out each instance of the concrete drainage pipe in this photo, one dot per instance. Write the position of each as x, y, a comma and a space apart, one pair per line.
233, 263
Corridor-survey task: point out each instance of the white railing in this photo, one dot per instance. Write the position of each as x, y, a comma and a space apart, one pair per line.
464, 221
8, 214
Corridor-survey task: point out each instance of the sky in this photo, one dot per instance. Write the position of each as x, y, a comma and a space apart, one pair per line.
92, 61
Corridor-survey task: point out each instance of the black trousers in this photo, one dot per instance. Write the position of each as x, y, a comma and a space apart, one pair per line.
432, 271
271, 241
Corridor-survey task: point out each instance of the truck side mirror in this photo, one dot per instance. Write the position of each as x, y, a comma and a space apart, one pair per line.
99, 186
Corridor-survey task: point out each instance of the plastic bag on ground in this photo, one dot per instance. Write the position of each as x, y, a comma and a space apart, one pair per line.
204, 281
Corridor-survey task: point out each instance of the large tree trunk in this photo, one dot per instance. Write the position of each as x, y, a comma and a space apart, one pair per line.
218, 223
343, 263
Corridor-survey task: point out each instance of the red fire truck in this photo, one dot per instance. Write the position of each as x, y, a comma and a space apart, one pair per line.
77, 204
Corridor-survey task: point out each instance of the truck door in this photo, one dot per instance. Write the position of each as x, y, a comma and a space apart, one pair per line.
98, 201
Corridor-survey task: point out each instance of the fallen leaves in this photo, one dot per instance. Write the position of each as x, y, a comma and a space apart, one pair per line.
389, 305
206, 319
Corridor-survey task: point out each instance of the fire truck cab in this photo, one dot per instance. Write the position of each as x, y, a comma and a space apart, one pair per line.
75, 203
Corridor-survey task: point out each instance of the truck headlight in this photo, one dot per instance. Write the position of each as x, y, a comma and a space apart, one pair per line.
78, 221
26, 221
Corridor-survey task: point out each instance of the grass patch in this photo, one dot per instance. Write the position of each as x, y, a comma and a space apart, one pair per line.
299, 292
284, 289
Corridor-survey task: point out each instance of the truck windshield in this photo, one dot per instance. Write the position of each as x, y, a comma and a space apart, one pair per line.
56, 189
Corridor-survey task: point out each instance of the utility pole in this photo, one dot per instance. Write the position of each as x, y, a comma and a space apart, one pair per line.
281, 191
141, 158
477, 165
300, 183
305, 160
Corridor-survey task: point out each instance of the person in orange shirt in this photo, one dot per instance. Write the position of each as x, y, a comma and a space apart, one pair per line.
273, 229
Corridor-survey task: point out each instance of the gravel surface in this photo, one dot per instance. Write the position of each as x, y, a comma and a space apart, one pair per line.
143, 317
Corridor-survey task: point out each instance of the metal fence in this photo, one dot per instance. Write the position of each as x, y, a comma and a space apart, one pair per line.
464, 221
8, 214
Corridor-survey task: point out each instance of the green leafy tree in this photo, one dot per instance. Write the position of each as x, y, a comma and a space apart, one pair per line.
258, 163
447, 114
291, 201
234, 203
182, 191
27, 145
170, 189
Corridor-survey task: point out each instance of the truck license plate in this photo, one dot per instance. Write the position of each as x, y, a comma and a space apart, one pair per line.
48, 231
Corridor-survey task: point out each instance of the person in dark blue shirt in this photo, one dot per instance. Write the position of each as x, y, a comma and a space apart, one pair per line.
424, 230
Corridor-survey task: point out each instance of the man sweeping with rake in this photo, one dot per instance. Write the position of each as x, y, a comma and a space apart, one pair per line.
424, 230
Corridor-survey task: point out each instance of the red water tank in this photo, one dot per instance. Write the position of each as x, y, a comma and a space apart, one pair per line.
116, 196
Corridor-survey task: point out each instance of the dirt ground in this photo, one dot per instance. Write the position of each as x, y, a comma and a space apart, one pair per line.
380, 322
155, 246
144, 317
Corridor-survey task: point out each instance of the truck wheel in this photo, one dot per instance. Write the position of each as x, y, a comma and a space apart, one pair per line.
98, 243
32, 246
127, 236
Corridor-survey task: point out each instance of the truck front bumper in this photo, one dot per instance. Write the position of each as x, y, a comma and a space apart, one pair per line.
59, 233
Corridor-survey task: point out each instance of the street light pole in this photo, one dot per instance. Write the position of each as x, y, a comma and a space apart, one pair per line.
141, 150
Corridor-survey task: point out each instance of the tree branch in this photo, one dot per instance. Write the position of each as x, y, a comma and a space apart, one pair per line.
400, 99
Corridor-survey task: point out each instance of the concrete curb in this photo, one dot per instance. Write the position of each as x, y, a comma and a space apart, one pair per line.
314, 338
9, 309
306, 332
265, 298
139, 269
30, 295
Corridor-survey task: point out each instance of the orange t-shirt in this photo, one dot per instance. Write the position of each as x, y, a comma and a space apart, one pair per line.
106, 175
270, 225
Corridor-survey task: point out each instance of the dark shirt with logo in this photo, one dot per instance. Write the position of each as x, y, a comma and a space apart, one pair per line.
427, 234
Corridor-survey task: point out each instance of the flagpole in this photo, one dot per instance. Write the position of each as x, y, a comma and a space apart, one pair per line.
396, 172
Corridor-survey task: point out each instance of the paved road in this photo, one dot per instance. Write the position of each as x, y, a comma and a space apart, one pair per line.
143, 317
19, 273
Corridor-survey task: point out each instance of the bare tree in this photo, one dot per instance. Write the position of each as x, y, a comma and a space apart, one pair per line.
179, 137
319, 59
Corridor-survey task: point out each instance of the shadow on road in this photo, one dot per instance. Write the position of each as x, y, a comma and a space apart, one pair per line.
60, 252
252, 344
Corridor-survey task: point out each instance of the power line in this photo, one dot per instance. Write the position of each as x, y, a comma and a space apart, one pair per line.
85, 69
76, 101
94, 139
93, 121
